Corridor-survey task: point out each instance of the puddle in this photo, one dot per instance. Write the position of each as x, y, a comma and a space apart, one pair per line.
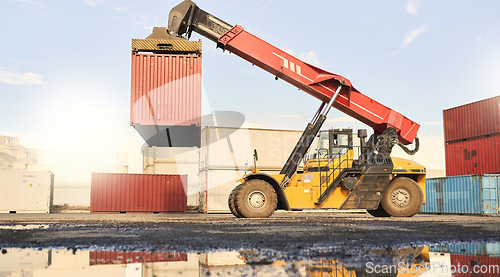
435, 260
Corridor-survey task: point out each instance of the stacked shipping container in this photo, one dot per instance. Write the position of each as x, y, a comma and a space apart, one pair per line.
472, 120
175, 160
474, 156
468, 265
473, 249
226, 154
472, 138
470, 194
472, 150
474, 259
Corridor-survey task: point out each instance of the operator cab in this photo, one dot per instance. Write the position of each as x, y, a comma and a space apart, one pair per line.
333, 144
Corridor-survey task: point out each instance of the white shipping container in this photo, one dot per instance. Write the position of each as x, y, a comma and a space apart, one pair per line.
26, 259
191, 267
180, 155
221, 259
74, 170
232, 148
216, 185
56, 262
26, 191
72, 194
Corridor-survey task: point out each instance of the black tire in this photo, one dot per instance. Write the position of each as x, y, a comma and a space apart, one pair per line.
405, 254
255, 199
379, 212
364, 273
402, 198
230, 203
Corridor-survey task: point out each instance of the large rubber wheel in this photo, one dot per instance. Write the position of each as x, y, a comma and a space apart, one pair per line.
404, 254
402, 198
379, 212
255, 198
232, 206
364, 273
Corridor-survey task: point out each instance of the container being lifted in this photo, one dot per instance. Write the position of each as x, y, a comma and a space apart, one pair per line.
165, 106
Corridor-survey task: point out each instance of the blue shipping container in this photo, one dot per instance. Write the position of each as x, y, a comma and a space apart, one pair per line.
474, 249
468, 194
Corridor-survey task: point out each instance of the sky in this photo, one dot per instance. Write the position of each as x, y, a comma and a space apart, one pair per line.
65, 65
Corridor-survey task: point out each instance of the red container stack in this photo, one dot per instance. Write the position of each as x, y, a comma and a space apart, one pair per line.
138, 193
467, 265
472, 138
474, 120
475, 156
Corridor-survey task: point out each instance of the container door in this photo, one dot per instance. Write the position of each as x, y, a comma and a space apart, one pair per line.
491, 195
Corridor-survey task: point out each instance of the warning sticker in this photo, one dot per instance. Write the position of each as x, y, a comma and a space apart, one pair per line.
307, 178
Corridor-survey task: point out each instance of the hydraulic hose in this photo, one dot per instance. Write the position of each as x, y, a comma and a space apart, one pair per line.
408, 151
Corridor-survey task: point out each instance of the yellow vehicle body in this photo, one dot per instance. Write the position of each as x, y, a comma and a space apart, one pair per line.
336, 175
419, 266
304, 189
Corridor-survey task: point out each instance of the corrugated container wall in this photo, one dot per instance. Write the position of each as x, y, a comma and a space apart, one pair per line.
118, 257
166, 89
116, 193
175, 160
483, 266
470, 194
477, 156
472, 120
476, 249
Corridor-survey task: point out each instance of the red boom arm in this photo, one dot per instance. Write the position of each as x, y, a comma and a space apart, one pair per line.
317, 82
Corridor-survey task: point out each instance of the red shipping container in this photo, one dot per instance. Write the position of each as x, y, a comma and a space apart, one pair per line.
472, 120
476, 156
117, 257
466, 265
118, 193
166, 89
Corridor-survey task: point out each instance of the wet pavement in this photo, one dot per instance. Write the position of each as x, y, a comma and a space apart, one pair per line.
287, 244
441, 260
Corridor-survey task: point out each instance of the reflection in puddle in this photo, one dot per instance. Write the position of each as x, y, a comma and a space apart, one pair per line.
24, 227
116, 257
443, 260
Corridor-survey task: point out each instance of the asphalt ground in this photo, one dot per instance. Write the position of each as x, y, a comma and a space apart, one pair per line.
290, 235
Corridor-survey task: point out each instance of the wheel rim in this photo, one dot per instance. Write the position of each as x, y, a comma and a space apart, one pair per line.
257, 199
401, 197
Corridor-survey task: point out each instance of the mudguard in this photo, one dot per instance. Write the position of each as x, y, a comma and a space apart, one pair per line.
282, 200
